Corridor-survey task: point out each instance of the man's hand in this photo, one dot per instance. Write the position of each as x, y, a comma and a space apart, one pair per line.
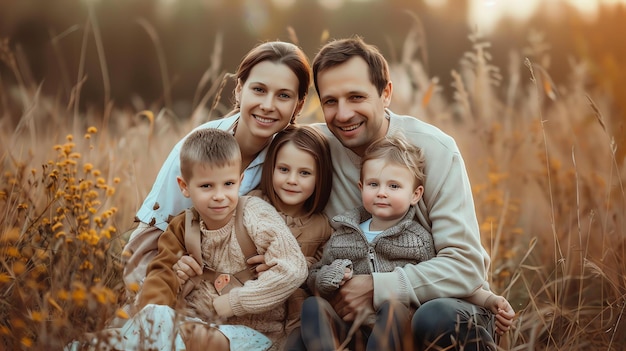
354, 295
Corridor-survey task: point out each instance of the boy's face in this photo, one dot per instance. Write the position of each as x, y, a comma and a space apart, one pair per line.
353, 109
214, 192
387, 191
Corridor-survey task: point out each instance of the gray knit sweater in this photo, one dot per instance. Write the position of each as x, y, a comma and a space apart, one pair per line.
408, 242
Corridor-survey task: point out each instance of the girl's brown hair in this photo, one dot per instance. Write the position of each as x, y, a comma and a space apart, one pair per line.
307, 139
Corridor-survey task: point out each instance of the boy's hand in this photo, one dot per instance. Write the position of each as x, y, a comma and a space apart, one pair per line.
259, 262
185, 268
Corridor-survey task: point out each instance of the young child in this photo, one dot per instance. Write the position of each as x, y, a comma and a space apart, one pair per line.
296, 180
380, 236
253, 314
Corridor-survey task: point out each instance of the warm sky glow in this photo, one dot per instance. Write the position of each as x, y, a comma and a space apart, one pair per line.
485, 13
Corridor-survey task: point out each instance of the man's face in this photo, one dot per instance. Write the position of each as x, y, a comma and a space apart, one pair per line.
353, 109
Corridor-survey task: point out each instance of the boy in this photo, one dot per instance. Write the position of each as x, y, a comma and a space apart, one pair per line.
210, 176
380, 236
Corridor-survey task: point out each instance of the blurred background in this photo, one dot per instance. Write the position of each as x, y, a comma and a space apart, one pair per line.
533, 92
131, 48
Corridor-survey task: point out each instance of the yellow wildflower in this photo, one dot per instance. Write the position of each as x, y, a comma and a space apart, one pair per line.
27, 342
87, 167
36, 316
92, 130
18, 267
120, 313
5, 278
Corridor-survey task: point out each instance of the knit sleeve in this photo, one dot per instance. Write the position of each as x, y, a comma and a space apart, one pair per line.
161, 285
288, 267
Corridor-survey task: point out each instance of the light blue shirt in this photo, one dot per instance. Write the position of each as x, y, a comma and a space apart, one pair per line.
369, 234
165, 199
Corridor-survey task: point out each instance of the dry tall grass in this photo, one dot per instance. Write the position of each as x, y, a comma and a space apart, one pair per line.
547, 177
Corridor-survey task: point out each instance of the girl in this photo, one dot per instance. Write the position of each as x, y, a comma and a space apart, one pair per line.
296, 180
272, 83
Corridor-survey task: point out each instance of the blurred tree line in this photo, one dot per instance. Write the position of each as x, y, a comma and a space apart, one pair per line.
118, 44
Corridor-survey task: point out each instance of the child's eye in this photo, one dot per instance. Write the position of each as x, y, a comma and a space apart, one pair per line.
205, 185
373, 184
229, 183
394, 186
305, 173
282, 169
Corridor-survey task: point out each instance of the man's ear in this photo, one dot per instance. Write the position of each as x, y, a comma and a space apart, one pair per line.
417, 195
183, 186
386, 94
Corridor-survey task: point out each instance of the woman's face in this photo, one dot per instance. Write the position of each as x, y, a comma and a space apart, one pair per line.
268, 99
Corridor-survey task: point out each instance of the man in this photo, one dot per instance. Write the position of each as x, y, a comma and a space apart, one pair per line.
354, 88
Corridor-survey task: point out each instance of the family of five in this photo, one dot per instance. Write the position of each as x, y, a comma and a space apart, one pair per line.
364, 227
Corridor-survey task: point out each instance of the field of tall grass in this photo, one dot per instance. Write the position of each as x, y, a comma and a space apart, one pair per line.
543, 158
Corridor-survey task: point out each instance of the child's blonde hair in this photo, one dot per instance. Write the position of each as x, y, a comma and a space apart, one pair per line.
397, 150
209, 146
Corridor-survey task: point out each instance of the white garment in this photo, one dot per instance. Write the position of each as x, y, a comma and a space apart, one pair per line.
165, 199
155, 327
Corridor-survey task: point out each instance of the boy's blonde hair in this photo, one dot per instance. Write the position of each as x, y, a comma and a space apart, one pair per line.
211, 147
397, 150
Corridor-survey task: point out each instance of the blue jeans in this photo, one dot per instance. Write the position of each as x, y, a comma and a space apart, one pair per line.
453, 324
323, 330
439, 324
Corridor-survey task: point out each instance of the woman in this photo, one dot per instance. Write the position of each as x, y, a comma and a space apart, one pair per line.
272, 83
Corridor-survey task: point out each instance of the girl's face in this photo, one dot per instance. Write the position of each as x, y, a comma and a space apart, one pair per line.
294, 178
268, 99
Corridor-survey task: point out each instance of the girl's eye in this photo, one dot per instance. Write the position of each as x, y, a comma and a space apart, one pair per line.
229, 183
282, 169
394, 186
305, 173
373, 185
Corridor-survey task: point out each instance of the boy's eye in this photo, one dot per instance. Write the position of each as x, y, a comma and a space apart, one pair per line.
394, 186
205, 185
229, 183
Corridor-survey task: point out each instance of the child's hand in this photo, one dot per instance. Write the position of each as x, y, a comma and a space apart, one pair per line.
347, 275
185, 268
503, 311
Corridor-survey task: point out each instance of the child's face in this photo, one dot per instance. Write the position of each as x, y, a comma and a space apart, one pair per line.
214, 192
294, 178
387, 192
268, 99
